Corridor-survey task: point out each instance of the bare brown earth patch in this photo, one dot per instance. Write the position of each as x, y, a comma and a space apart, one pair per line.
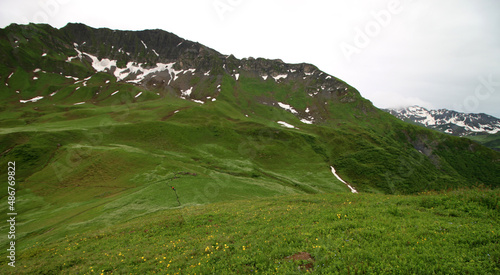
306, 260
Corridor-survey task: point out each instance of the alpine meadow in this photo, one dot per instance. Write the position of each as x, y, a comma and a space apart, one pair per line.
139, 152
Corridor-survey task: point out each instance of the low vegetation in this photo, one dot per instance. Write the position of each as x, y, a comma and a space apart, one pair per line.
452, 232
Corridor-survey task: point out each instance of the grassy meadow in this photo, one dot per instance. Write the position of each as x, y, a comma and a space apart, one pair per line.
452, 232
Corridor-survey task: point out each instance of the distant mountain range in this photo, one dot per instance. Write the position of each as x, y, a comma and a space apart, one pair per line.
482, 128
449, 121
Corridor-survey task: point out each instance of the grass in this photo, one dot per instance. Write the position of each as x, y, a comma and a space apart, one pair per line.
492, 141
443, 233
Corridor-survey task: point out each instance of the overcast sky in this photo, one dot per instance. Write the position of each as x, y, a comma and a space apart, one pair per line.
436, 54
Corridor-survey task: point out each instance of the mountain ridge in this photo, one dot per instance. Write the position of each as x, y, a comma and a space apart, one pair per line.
143, 65
449, 121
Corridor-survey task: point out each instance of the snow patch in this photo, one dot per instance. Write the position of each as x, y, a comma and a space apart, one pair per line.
306, 121
186, 93
284, 124
190, 70
71, 58
114, 93
144, 44
35, 99
237, 76
338, 177
155, 53
79, 55
79, 103
198, 101
131, 68
138, 95
265, 77
281, 76
287, 107
101, 65
172, 72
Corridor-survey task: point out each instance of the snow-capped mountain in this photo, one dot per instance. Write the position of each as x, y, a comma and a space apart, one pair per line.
448, 121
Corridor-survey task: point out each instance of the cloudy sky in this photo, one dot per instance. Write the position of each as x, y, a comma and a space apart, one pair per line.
437, 54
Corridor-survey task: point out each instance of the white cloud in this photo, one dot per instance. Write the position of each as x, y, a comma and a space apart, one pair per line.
395, 100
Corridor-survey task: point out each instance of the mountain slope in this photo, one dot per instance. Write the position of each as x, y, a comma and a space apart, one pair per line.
101, 123
83, 73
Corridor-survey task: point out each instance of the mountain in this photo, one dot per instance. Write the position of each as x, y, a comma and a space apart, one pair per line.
480, 127
102, 123
105, 127
157, 80
450, 122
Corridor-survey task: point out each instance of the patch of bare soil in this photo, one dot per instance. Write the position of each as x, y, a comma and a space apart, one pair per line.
306, 259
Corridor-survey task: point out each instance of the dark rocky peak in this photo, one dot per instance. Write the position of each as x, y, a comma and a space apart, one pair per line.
147, 46
155, 59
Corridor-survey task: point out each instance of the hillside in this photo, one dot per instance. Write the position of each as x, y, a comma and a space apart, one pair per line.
431, 233
102, 123
491, 141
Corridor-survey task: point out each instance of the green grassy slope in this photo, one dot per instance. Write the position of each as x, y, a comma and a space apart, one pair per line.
443, 233
492, 141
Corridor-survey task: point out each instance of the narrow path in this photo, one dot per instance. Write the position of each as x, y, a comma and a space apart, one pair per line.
337, 176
